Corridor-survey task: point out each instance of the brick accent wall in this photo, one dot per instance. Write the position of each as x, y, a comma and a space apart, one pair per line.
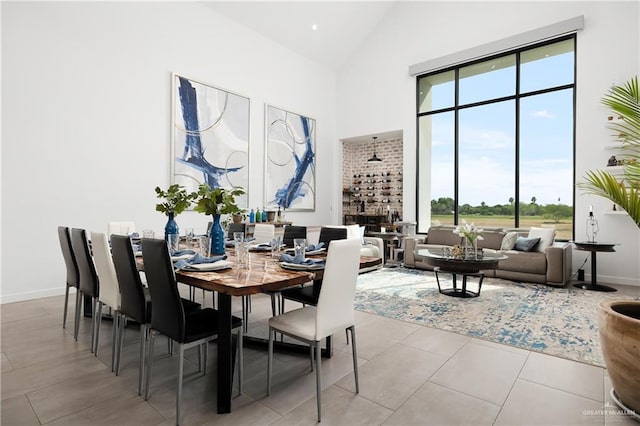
355, 168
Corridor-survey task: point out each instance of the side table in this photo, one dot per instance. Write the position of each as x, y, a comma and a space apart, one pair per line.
389, 239
594, 247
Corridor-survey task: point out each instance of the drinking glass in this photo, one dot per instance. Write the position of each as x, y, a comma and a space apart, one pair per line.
203, 245
148, 233
238, 236
242, 254
174, 241
275, 247
189, 234
299, 247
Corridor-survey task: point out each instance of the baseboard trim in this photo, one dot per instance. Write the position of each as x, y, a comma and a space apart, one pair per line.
30, 295
609, 279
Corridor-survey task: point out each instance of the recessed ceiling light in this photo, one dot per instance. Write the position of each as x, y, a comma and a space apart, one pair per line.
314, 27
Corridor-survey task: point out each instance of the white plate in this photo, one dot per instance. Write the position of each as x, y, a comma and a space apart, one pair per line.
137, 253
309, 253
318, 251
302, 267
203, 267
183, 256
258, 247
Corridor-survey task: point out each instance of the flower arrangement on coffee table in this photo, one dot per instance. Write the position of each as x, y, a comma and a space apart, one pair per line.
471, 234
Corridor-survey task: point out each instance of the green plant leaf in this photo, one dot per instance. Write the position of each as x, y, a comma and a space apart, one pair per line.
623, 100
217, 201
176, 199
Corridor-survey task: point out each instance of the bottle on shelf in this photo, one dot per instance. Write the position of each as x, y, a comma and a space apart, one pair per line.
258, 215
279, 215
264, 214
252, 216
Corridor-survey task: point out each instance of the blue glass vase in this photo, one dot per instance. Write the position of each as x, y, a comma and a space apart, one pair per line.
216, 236
171, 227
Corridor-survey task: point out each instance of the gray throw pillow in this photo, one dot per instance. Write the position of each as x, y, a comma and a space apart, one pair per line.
509, 241
526, 244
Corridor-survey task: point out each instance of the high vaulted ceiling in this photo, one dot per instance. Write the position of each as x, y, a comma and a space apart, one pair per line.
341, 25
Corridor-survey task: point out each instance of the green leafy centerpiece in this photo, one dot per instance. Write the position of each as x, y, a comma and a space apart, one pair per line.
216, 202
176, 200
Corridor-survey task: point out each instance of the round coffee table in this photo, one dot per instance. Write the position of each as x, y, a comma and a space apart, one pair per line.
464, 267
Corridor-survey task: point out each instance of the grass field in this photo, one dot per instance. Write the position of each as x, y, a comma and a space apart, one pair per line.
563, 228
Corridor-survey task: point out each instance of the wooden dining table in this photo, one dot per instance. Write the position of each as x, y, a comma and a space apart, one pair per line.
263, 275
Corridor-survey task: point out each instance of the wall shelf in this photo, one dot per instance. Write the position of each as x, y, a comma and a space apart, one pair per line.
616, 212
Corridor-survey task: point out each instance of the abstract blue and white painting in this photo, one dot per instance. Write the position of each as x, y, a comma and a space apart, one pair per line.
210, 137
290, 169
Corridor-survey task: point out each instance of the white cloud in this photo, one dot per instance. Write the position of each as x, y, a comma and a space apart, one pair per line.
543, 113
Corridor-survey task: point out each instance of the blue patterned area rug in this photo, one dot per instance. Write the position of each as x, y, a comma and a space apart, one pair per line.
556, 321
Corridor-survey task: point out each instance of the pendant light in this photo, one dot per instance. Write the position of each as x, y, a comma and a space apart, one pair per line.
375, 157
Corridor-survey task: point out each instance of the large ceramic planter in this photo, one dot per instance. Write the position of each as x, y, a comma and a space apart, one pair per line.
620, 340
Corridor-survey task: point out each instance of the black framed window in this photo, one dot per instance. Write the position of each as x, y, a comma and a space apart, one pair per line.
496, 140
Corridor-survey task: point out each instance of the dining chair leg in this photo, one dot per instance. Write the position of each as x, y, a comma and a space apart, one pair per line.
144, 335
152, 336
115, 334
269, 360
311, 348
98, 322
94, 308
123, 327
180, 373
318, 377
354, 353
76, 325
66, 305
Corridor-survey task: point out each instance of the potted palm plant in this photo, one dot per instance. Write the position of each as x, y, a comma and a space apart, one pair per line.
619, 325
624, 101
216, 202
176, 200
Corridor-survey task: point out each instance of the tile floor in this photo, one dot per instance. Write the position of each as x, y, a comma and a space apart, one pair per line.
409, 374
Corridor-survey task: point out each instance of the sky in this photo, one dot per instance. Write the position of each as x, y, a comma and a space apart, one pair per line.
487, 134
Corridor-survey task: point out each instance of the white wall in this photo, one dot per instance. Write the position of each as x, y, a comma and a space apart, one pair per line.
376, 93
85, 114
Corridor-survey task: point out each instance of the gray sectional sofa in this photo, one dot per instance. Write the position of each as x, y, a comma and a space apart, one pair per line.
550, 266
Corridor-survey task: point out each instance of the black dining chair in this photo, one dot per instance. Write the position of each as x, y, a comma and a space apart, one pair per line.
308, 294
168, 317
328, 234
88, 284
135, 303
236, 227
73, 278
292, 232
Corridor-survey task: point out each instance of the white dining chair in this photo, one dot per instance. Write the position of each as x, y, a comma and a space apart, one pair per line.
109, 290
121, 228
263, 233
333, 313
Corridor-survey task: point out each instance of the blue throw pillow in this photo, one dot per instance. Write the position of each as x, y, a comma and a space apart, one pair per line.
526, 244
